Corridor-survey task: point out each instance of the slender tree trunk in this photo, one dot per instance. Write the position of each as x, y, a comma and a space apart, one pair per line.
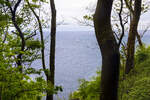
132, 36
52, 47
43, 46
41, 36
109, 50
130, 8
21, 35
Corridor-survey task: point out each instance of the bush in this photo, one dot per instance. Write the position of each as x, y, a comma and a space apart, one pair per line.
88, 90
134, 86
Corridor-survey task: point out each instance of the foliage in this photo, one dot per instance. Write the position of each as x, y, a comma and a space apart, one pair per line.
13, 84
16, 85
142, 54
88, 90
134, 86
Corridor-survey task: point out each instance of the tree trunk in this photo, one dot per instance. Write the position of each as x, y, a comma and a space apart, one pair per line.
52, 47
43, 45
109, 50
41, 36
132, 36
21, 34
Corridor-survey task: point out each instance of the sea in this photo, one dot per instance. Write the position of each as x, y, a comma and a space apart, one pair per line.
77, 57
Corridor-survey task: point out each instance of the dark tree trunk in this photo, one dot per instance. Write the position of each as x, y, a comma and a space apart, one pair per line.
52, 47
21, 35
109, 50
41, 36
43, 46
132, 36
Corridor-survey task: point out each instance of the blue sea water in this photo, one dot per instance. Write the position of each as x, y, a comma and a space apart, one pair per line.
77, 56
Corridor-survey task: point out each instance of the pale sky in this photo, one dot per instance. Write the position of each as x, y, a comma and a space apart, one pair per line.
70, 9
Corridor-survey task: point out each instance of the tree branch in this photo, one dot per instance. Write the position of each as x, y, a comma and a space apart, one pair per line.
121, 23
129, 5
13, 12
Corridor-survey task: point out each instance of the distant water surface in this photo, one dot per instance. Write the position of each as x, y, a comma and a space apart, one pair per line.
77, 56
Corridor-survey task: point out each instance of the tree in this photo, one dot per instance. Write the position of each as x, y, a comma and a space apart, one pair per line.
136, 13
109, 50
51, 78
14, 84
48, 73
21, 34
121, 21
11, 42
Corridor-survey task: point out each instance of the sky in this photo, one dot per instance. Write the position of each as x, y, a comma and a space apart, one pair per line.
68, 10
72, 8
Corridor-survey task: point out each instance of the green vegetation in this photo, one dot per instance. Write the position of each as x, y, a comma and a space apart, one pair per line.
133, 86
16, 85
19, 48
21, 23
88, 90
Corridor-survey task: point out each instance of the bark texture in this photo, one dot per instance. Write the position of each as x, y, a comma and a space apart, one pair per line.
109, 50
51, 78
132, 36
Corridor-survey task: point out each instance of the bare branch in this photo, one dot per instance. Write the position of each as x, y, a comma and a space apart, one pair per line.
30, 36
84, 22
121, 23
146, 29
16, 5
129, 5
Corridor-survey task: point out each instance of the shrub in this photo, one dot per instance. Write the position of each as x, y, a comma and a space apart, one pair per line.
134, 86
